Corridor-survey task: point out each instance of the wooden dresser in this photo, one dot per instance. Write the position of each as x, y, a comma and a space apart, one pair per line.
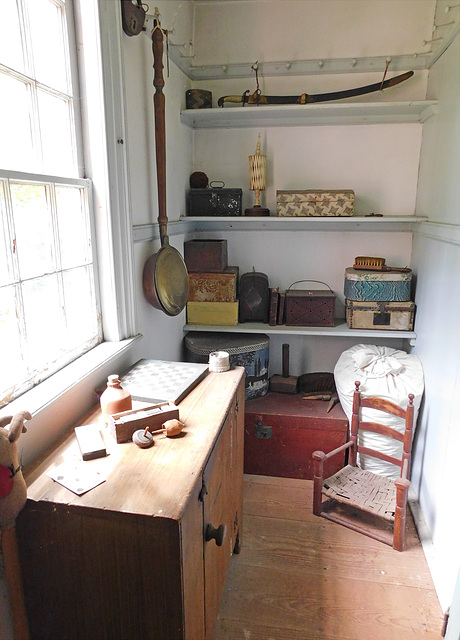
129, 559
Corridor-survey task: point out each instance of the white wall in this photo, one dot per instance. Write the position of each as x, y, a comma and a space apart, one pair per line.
162, 334
436, 255
274, 30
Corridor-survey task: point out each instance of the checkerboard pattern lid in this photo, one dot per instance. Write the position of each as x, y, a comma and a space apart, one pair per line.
162, 380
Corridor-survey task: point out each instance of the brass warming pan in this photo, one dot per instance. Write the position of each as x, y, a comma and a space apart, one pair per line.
165, 276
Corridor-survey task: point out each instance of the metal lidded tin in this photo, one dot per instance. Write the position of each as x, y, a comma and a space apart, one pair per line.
248, 350
198, 99
310, 308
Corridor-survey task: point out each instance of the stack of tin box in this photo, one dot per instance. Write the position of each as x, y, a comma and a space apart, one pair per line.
379, 299
213, 284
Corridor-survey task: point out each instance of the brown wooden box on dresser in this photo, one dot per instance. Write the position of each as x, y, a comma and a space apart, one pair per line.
129, 559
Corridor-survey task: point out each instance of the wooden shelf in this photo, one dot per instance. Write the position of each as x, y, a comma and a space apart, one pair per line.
278, 223
340, 330
310, 115
191, 224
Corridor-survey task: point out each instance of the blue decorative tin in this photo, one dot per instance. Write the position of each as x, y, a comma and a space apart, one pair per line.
377, 286
248, 350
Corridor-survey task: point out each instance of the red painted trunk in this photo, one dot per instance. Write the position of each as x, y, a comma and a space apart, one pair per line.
282, 431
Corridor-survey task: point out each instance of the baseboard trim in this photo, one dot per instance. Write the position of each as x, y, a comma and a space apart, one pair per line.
429, 550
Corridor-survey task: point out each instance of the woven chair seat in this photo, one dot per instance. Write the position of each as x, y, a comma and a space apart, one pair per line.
364, 490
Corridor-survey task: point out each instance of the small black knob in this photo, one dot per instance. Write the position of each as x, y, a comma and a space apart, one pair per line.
216, 534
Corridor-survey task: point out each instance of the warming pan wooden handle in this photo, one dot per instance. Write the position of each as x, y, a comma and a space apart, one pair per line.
160, 128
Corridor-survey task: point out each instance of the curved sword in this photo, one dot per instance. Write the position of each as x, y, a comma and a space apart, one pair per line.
304, 98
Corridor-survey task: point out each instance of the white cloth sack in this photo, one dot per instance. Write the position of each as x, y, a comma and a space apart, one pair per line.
384, 373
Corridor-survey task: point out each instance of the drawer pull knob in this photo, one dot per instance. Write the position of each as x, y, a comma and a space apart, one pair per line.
216, 534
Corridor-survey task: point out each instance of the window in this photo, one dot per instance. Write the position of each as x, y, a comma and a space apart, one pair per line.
48, 303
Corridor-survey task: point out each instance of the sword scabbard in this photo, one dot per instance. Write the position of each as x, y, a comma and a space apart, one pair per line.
257, 99
305, 98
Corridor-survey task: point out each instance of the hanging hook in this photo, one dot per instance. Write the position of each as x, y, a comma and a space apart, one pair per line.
190, 54
164, 33
255, 67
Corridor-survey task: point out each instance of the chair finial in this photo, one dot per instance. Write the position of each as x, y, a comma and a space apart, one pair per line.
411, 399
357, 383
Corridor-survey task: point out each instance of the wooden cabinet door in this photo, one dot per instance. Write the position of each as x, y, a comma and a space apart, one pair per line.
218, 520
237, 427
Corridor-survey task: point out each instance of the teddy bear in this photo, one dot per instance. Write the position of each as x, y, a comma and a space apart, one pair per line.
13, 490
13, 496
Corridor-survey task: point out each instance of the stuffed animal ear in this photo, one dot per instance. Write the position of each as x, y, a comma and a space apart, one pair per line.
17, 425
5, 420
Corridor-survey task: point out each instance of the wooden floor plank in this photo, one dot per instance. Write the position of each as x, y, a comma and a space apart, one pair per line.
300, 577
286, 544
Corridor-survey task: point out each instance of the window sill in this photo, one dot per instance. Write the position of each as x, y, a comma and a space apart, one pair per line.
62, 399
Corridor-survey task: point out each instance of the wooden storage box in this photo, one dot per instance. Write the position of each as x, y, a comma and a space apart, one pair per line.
214, 202
213, 287
212, 313
309, 307
283, 430
123, 425
397, 316
314, 202
362, 284
205, 256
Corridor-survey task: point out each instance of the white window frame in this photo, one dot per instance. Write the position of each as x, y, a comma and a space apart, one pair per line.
104, 131
64, 397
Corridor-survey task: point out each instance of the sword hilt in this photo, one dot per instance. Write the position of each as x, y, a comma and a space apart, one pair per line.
236, 99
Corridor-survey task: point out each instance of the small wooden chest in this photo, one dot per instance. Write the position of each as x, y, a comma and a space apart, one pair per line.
315, 203
283, 430
205, 256
213, 287
123, 425
396, 316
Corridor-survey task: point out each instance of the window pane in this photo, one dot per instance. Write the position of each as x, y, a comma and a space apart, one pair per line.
11, 347
32, 223
55, 127
16, 138
74, 233
6, 271
80, 305
46, 257
48, 50
10, 37
43, 320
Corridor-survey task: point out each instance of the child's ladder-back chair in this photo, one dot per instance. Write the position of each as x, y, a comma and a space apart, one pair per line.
362, 489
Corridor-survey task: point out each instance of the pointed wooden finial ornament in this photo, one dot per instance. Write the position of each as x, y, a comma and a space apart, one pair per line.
257, 173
